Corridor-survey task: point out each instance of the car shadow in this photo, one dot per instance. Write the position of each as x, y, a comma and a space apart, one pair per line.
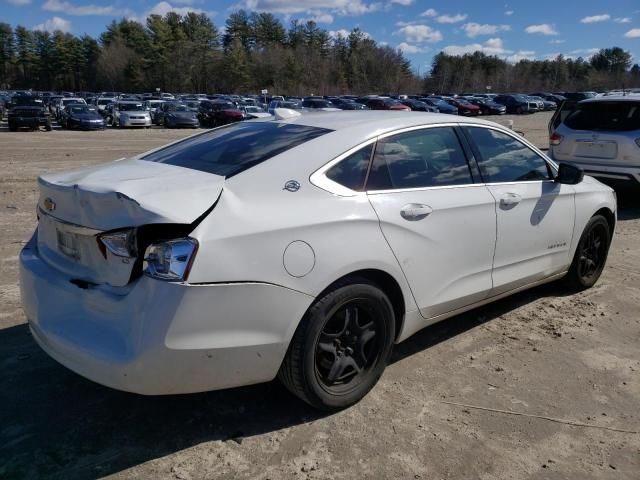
628, 205
57, 424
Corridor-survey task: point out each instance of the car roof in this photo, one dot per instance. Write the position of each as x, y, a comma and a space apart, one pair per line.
369, 123
612, 98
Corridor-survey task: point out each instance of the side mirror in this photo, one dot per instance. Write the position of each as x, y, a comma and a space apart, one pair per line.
569, 174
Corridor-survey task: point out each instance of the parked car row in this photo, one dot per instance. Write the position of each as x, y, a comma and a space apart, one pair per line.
88, 111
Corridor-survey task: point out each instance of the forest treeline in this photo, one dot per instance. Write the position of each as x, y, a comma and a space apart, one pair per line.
189, 54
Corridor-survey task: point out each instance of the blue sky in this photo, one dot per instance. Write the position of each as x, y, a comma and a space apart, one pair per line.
533, 29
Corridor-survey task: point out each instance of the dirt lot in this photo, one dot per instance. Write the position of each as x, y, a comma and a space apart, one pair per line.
462, 399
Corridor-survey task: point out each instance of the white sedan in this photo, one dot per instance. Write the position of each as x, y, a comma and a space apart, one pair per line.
302, 247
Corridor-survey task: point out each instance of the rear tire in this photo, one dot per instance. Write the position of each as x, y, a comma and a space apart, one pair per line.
341, 347
591, 254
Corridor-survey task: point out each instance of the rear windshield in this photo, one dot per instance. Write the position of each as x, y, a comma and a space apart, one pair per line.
230, 150
605, 116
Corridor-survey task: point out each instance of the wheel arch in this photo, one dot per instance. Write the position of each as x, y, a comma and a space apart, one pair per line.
609, 217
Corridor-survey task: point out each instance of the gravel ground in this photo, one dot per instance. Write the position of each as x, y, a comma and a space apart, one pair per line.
542, 385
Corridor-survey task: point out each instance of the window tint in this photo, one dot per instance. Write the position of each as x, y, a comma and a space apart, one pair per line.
505, 159
230, 150
605, 116
352, 171
423, 158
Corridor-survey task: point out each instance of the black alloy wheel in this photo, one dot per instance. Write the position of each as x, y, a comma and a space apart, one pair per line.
347, 347
591, 254
341, 346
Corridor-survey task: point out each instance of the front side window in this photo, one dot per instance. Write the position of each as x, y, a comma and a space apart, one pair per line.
502, 158
431, 157
230, 150
351, 172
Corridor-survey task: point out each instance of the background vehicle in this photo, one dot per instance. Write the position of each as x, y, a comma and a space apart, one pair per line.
516, 103
318, 104
176, 114
82, 117
419, 106
63, 102
152, 106
129, 114
386, 104
28, 111
487, 106
441, 105
293, 105
218, 112
101, 104
544, 105
600, 135
252, 111
464, 107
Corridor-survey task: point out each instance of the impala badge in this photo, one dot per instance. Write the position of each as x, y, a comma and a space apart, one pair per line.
49, 204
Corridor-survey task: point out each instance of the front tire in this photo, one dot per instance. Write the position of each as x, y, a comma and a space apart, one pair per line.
341, 346
591, 254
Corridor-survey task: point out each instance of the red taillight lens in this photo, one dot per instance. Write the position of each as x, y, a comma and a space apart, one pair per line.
555, 138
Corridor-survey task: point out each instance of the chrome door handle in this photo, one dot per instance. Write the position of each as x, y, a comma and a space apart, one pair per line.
415, 211
510, 199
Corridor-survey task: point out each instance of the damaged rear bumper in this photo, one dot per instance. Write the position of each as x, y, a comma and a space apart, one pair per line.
155, 337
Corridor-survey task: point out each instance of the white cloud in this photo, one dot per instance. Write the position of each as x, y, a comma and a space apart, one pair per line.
508, 13
429, 13
493, 46
163, 8
420, 33
404, 3
19, 3
474, 29
319, 17
633, 33
405, 47
345, 33
605, 17
543, 28
622, 20
521, 55
342, 7
53, 24
458, 17
70, 9
587, 51
556, 42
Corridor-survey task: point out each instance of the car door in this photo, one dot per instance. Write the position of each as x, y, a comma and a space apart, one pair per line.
440, 225
535, 215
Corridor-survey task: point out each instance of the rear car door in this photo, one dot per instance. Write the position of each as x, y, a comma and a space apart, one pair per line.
440, 225
535, 215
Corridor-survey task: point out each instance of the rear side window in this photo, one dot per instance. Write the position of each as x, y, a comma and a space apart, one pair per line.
605, 116
351, 172
430, 157
230, 150
504, 159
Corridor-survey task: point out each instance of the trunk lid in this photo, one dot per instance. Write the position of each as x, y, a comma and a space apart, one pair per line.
77, 206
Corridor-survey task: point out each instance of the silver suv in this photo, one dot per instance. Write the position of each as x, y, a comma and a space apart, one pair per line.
601, 135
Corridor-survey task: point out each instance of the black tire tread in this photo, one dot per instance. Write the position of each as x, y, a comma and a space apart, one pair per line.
290, 373
571, 280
